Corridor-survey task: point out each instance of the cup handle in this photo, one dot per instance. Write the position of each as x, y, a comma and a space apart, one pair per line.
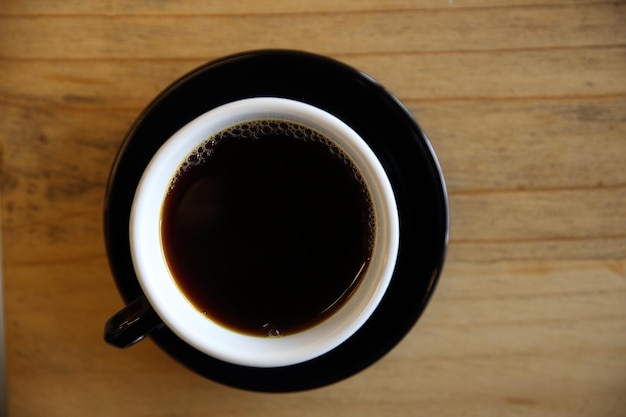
132, 323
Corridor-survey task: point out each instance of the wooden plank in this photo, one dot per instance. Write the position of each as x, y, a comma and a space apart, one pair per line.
414, 77
258, 7
127, 36
549, 145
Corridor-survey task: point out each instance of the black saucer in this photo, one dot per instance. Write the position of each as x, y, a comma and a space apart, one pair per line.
384, 124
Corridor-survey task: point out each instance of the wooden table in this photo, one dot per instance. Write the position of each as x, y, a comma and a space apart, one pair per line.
525, 105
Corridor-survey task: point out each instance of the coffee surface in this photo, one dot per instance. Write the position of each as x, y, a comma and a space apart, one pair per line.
268, 227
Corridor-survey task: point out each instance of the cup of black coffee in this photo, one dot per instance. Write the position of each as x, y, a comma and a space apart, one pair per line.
263, 233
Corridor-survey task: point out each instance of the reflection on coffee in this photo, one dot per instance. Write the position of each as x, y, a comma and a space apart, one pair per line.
268, 227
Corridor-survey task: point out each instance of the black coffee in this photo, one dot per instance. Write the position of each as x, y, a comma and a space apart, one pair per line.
268, 227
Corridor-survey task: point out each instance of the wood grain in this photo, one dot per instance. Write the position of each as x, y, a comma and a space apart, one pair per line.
393, 31
159, 7
525, 104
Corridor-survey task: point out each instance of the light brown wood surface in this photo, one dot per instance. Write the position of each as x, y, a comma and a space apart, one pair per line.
525, 104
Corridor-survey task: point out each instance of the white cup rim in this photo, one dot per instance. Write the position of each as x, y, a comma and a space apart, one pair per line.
190, 324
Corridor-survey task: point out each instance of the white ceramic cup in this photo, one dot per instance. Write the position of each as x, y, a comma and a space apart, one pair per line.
209, 336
